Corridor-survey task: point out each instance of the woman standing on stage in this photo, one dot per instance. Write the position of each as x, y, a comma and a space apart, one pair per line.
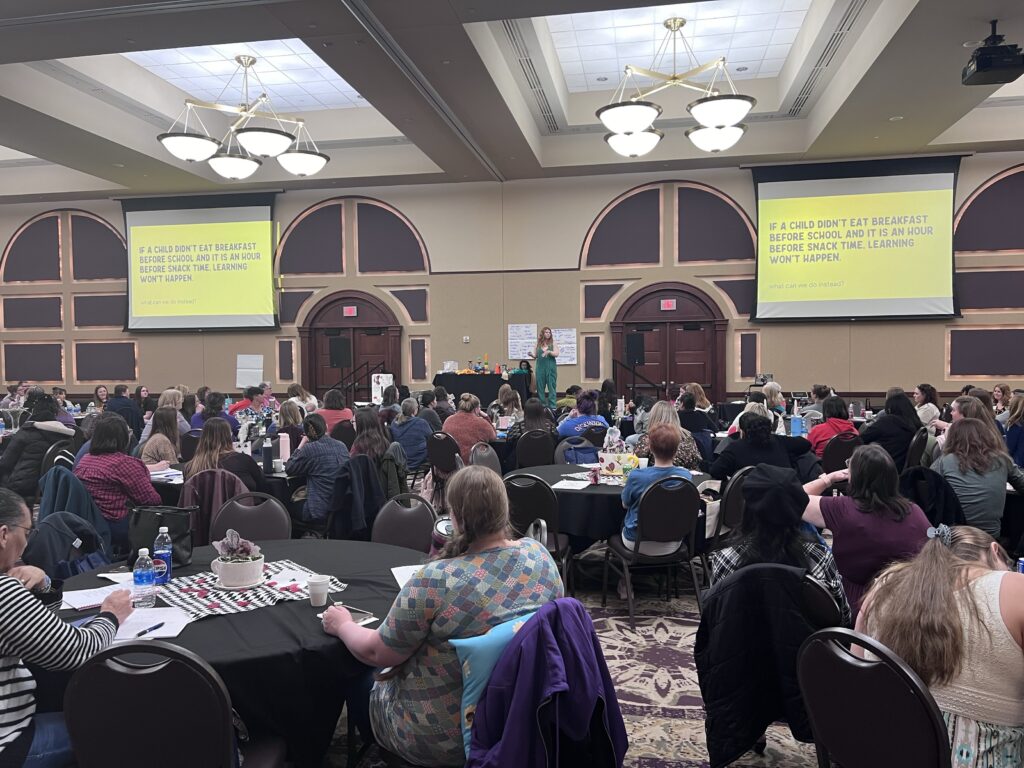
547, 368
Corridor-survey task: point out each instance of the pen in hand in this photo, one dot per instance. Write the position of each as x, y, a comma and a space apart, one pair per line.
154, 628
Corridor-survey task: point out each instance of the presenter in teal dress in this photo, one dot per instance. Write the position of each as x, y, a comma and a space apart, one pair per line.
546, 354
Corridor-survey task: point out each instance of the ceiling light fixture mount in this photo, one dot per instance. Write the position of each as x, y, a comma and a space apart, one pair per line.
257, 132
719, 115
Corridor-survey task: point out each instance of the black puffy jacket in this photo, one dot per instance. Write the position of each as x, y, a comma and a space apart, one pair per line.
23, 456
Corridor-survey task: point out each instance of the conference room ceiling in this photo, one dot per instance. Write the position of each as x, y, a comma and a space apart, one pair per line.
426, 91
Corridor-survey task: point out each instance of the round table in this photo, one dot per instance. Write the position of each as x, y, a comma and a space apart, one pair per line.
278, 486
285, 675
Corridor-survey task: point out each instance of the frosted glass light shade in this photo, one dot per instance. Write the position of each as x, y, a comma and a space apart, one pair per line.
264, 142
628, 116
721, 111
302, 162
234, 166
716, 139
191, 147
634, 144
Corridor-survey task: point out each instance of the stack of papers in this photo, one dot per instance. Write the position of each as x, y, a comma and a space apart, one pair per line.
160, 623
172, 476
571, 485
82, 599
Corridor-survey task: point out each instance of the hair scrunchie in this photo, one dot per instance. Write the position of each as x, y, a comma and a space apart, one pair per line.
943, 533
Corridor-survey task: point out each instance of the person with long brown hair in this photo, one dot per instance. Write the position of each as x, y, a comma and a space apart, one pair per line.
1015, 429
1001, 394
969, 407
975, 463
546, 352
215, 451
416, 712
301, 397
168, 398
956, 615
162, 448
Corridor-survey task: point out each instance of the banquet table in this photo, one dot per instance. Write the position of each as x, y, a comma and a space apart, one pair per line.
278, 486
286, 676
594, 512
484, 385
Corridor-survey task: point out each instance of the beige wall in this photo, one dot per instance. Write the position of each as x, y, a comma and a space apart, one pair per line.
493, 235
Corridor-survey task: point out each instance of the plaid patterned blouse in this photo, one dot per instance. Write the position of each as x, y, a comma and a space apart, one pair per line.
726, 562
417, 713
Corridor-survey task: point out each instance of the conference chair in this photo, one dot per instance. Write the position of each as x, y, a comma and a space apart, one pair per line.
838, 450
567, 444
533, 512
669, 510
535, 448
256, 516
730, 515
917, 447
443, 452
848, 697
344, 432
189, 442
182, 693
405, 526
595, 435
483, 454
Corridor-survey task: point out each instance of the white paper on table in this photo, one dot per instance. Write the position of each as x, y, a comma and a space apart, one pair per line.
119, 577
361, 623
403, 573
570, 485
173, 619
285, 577
89, 598
590, 466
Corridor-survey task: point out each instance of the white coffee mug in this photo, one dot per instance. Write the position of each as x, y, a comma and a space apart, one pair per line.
319, 585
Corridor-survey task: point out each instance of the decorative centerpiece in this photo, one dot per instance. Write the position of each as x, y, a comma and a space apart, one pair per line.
619, 463
240, 562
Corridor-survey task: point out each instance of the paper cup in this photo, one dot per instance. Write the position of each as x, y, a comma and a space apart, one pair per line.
278, 465
319, 586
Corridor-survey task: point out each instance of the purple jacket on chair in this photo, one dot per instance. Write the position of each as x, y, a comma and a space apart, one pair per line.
550, 694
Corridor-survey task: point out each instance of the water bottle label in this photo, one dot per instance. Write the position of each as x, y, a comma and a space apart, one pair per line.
162, 567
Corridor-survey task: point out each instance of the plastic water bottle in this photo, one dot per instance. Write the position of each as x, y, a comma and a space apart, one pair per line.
796, 426
162, 551
143, 591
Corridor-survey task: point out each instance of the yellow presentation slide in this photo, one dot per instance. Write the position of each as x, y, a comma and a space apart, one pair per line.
196, 274
870, 253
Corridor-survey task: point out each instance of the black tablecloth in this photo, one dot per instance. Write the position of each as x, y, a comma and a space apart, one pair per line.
284, 674
483, 385
279, 486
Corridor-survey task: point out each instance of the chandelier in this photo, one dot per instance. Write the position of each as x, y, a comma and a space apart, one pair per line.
257, 132
630, 119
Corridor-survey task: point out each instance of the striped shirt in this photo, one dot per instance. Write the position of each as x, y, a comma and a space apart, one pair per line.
30, 632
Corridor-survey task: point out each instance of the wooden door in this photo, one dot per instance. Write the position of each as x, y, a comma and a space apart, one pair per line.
369, 346
690, 357
655, 364
326, 376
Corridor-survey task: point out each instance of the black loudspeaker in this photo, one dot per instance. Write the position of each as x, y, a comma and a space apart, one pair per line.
341, 351
634, 349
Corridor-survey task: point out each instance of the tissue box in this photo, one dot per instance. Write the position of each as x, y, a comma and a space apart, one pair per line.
613, 463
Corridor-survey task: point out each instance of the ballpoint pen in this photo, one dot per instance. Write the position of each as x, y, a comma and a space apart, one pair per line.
154, 628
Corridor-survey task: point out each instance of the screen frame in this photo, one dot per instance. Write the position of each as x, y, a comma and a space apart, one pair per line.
849, 169
187, 202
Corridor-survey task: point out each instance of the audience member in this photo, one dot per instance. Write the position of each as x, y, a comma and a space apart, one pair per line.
664, 440
837, 422
23, 454
700, 398
32, 633
307, 402
535, 417
468, 426
61, 396
290, 423
969, 407
894, 428
772, 532
188, 407
416, 713
214, 408
411, 432
127, 409
88, 427
116, 481
15, 395
334, 409
509, 403
758, 445
773, 398
140, 396
215, 451
99, 398
254, 407
268, 396
694, 419
427, 412
34, 393
641, 411
317, 461
390, 405
686, 453
607, 399
872, 525
163, 446
975, 463
443, 406
373, 441
1001, 394
758, 398
926, 403
568, 400
954, 614
818, 394
201, 394
1015, 429
585, 417
169, 398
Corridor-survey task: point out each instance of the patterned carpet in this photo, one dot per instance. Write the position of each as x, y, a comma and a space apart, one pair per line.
656, 683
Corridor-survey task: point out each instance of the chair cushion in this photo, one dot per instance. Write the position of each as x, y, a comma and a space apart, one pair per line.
615, 545
478, 655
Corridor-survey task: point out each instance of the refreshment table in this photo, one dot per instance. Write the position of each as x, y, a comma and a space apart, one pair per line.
484, 385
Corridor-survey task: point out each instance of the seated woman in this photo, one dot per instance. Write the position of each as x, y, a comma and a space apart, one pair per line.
956, 615
836, 423
773, 398
694, 419
468, 426
32, 633
1015, 429
317, 461
757, 445
687, 454
975, 463
509, 403
214, 408
411, 432
290, 422
427, 412
307, 402
664, 439
116, 481
1001, 394
169, 398
894, 428
24, 450
334, 409
700, 398
755, 399
162, 448
215, 451
388, 457
535, 417
607, 399
926, 403
873, 525
585, 418
389, 406
772, 532
442, 405
415, 713
968, 407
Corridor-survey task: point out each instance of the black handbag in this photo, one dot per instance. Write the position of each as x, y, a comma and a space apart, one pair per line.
144, 524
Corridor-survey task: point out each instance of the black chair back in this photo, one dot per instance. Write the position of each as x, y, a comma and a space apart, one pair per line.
838, 450
819, 607
189, 442
442, 451
344, 432
668, 511
847, 696
916, 450
50, 457
730, 509
256, 516
181, 692
566, 444
482, 454
595, 436
410, 527
535, 448
531, 499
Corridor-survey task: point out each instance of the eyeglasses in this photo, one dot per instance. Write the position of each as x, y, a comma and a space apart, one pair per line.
848, 463
28, 529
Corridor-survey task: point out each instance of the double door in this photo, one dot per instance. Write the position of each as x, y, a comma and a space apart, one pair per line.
674, 354
369, 348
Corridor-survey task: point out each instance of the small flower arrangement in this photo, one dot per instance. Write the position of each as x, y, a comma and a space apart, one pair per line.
234, 549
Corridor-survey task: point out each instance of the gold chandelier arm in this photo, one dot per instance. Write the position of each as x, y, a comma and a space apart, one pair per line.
632, 70
674, 82
245, 112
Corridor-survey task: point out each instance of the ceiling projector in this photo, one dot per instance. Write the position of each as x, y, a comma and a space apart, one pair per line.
994, 63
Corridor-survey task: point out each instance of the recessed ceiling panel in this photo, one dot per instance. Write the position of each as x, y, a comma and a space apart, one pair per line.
753, 35
295, 78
